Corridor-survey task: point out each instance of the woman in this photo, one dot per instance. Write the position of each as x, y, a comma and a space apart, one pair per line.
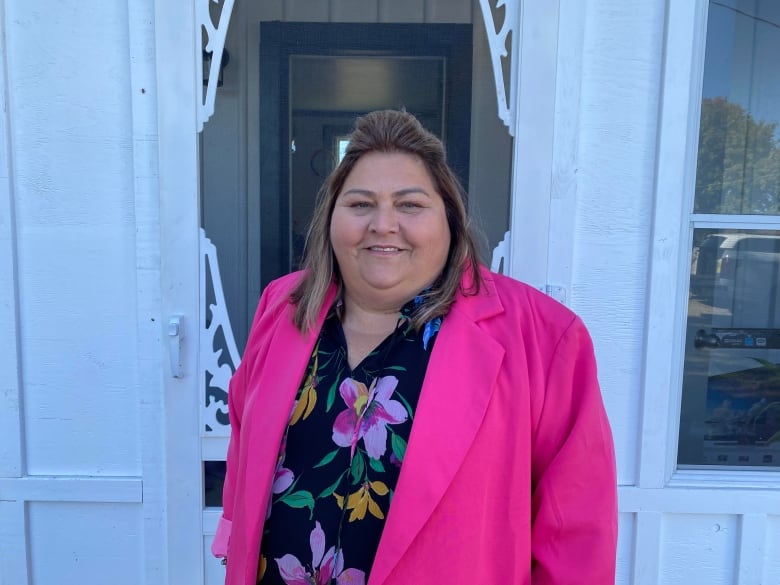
402, 415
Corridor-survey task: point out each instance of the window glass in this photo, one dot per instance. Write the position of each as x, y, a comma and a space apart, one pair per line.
730, 409
738, 168
731, 383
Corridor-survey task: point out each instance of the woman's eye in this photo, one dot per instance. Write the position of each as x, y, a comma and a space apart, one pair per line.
410, 205
360, 204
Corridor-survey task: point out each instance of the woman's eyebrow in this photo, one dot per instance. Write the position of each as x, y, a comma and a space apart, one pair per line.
358, 191
399, 193
411, 191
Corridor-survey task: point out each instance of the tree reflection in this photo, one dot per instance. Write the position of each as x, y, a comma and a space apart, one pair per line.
738, 167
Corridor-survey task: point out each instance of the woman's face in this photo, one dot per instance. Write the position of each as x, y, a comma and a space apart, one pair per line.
389, 230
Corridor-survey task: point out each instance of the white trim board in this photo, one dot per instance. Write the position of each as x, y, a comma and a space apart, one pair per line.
72, 488
675, 176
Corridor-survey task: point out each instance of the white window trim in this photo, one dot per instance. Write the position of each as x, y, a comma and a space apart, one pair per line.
532, 160
670, 250
678, 129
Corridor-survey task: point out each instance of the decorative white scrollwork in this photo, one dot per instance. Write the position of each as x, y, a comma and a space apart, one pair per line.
497, 39
212, 41
500, 261
219, 355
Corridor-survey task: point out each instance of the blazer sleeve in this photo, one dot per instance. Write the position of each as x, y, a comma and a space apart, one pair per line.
236, 396
574, 500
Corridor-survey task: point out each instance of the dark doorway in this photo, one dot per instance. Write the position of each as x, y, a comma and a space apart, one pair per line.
315, 78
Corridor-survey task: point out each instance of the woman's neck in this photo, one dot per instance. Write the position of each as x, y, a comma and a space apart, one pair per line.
360, 317
365, 328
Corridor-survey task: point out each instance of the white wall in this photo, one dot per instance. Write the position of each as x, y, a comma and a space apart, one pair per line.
79, 444
713, 527
619, 117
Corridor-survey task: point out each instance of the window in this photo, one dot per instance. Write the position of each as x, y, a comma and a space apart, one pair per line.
730, 410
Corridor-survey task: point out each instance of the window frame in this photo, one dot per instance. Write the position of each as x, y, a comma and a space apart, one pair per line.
670, 252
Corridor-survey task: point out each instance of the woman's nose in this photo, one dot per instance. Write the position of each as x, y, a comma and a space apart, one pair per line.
384, 220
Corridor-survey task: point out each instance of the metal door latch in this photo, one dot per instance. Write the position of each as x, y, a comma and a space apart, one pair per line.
175, 337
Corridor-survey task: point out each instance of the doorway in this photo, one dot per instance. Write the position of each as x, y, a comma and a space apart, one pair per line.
316, 78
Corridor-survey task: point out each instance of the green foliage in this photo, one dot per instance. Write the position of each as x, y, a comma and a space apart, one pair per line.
738, 167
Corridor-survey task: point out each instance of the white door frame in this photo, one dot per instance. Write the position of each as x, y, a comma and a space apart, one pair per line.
546, 168
178, 59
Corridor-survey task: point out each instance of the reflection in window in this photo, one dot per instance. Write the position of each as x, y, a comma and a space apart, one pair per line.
731, 383
738, 168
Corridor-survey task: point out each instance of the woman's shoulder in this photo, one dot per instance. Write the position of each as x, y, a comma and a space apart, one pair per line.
275, 298
523, 299
519, 310
283, 286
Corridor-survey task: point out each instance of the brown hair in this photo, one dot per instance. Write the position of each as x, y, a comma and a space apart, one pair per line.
388, 131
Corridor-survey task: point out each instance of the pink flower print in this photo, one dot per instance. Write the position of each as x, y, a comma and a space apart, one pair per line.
350, 576
322, 565
283, 478
367, 414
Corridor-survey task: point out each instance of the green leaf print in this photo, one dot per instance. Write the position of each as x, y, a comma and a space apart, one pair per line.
327, 459
300, 499
376, 465
399, 447
328, 491
358, 468
331, 396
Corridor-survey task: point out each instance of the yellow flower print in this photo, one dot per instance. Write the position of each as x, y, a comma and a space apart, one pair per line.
261, 567
308, 398
361, 500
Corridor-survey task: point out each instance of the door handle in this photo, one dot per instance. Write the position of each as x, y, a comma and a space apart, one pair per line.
175, 337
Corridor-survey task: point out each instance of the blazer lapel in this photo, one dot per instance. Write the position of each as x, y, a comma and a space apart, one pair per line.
288, 355
458, 385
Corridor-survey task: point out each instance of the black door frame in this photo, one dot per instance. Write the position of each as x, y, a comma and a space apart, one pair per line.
280, 40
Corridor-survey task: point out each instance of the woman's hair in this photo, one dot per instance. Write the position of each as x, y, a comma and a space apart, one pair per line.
388, 131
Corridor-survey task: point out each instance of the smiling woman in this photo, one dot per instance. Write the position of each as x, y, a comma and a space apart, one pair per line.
401, 412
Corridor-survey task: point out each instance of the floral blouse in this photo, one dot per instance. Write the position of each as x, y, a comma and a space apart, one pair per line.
341, 456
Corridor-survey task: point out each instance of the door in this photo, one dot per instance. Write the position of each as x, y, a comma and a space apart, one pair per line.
315, 78
275, 135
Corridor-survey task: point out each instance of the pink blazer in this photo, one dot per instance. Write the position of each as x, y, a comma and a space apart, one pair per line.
509, 474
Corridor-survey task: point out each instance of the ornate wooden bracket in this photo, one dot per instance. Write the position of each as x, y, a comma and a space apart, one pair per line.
219, 355
506, 93
212, 41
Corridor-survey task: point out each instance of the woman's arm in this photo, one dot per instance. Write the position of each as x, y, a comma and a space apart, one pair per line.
236, 396
574, 501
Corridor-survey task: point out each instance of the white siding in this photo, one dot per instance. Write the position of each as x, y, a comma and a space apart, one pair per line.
771, 564
709, 539
74, 210
85, 543
620, 77
79, 296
